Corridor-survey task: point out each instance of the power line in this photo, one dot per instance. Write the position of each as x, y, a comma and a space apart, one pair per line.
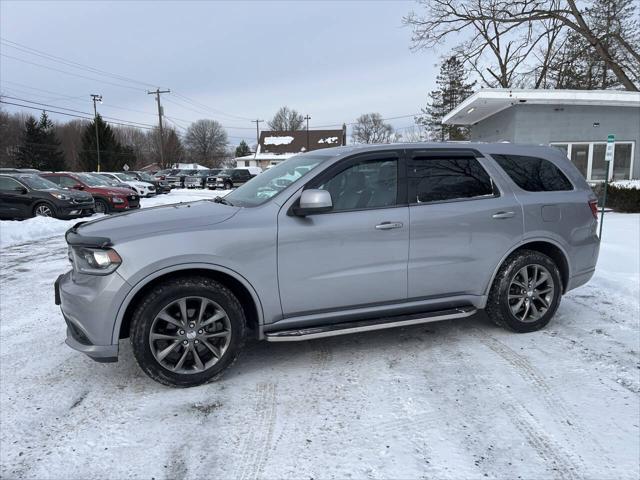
70, 63
69, 73
76, 111
72, 115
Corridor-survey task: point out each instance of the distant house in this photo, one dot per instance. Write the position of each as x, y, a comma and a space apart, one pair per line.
576, 121
274, 147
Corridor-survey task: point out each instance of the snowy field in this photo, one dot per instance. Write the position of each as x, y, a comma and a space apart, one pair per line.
460, 399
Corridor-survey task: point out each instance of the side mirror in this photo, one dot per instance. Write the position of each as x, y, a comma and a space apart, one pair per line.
313, 201
77, 186
21, 190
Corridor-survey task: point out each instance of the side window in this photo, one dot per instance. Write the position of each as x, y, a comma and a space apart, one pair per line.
55, 179
9, 184
67, 182
533, 174
370, 184
442, 179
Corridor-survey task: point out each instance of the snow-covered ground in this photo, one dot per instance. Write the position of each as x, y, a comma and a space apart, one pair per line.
458, 399
13, 232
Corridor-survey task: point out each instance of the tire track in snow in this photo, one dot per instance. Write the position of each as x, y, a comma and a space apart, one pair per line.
257, 446
563, 416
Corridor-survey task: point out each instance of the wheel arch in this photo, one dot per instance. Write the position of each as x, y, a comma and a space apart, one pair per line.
543, 245
240, 287
41, 201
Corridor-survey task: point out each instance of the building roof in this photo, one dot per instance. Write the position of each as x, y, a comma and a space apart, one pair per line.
272, 142
489, 101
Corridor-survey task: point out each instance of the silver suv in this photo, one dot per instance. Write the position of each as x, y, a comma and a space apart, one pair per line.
332, 242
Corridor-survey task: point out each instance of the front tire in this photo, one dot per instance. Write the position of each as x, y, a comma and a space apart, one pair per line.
43, 209
187, 331
101, 206
526, 292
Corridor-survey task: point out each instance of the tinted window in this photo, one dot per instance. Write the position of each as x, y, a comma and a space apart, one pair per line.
54, 179
372, 184
68, 182
441, 179
533, 174
9, 184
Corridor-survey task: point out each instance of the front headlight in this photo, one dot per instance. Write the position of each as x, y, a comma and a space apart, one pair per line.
60, 196
117, 200
95, 261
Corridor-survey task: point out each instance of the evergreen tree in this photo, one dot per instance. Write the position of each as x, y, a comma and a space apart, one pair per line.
451, 92
40, 147
243, 149
112, 154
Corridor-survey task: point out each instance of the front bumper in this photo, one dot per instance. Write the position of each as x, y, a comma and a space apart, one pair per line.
76, 209
89, 305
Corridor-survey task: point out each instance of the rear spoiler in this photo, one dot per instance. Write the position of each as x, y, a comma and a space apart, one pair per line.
77, 240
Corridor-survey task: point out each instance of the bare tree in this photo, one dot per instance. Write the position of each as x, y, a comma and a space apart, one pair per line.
70, 135
206, 142
11, 131
286, 119
371, 128
508, 31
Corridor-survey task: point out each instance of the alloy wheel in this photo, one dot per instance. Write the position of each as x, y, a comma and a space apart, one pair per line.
190, 335
531, 293
100, 207
43, 211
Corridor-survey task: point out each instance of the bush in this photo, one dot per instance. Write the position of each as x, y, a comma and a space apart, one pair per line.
621, 196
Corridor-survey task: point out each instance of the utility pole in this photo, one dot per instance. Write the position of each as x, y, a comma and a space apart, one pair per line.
96, 98
257, 121
157, 94
307, 118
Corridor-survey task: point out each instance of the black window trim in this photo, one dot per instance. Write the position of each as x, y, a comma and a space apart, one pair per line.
448, 154
347, 162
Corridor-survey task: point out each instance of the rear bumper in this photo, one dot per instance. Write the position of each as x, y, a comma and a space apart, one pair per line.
89, 306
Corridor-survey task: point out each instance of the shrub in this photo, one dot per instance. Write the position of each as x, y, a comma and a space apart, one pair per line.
621, 196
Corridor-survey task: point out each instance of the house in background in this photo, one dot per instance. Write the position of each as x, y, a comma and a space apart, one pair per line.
577, 121
275, 147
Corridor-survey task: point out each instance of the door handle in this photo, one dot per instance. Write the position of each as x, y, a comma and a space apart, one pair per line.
504, 215
388, 225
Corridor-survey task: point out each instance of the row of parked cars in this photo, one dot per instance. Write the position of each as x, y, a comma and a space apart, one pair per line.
25, 193
223, 178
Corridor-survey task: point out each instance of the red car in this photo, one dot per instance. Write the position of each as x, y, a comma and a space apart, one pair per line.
108, 199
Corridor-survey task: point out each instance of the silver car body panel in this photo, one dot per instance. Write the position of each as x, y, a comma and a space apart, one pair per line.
305, 271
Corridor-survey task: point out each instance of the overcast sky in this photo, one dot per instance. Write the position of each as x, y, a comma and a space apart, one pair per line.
331, 60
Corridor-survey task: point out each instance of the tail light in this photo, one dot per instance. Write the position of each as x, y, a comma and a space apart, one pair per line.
593, 205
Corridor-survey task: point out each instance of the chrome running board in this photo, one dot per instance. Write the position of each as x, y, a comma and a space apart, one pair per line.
347, 328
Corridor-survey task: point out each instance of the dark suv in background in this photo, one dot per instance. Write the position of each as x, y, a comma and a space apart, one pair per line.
230, 178
25, 195
107, 198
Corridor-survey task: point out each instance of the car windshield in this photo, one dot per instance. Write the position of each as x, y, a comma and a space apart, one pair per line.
93, 180
226, 171
38, 183
146, 177
270, 183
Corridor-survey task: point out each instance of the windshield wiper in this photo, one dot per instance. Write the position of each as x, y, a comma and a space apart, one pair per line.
223, 201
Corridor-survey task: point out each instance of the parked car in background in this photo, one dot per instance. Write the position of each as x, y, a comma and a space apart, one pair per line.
199, 178
232, 177
176, 177
144, 189
107, 198
162, 186
162, 174
25, 195
358, 238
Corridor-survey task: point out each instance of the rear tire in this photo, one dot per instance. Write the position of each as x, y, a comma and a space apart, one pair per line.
199, 355
526, 292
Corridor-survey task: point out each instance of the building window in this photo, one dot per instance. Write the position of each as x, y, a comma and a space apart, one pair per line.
247, 163
588, 157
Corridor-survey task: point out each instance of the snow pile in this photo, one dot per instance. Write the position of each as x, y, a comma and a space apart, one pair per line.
14, 232
328, 140
284, 140
631, 184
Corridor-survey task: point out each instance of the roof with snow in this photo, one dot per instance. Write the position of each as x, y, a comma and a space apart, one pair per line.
292, 142
489, 101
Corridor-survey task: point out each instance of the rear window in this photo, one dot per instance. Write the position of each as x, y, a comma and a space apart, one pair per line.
442, 179
533, 174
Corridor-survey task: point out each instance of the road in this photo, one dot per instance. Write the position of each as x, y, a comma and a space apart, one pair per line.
458, 399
